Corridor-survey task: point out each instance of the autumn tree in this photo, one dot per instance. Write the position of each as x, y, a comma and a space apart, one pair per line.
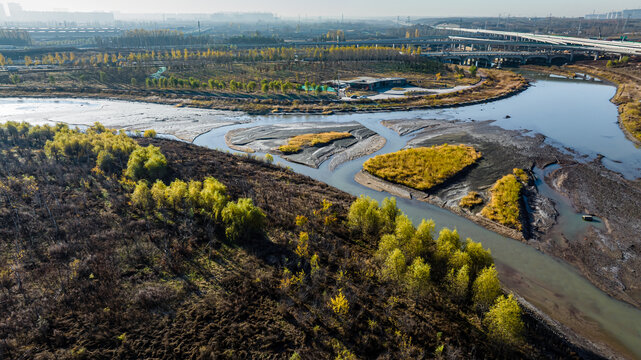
503, 321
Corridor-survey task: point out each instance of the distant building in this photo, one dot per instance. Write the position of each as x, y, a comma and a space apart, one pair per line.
243, 17
625, 14
18, 15
370, 83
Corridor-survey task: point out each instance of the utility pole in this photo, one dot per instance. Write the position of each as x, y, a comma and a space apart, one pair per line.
549, 23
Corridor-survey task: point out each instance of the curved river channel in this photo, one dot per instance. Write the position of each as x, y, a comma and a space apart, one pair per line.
570, 113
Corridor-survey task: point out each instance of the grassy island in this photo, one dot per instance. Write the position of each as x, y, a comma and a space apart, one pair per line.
295, 143
504, 206
422, 168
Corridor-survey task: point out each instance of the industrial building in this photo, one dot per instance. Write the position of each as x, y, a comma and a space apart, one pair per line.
18, 15
369, 83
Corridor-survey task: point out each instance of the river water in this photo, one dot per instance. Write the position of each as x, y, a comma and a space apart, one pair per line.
571, 114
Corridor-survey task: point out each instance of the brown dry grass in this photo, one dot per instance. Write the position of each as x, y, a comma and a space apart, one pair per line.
504, 207
422, 168
295, 143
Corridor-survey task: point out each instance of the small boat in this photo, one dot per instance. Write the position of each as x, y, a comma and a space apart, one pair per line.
588, 218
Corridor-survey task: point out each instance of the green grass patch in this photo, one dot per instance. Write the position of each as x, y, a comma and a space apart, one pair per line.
504, 206
422, 168
295, 144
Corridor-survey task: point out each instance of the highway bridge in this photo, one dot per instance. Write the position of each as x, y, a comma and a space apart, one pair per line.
578, 44
487, 58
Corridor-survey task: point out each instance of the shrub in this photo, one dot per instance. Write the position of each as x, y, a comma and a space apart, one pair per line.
302, 249
418, 275
389, 212
471, 200
504, 207
364, 216
458, 259
146, 163
289, 149
422, 168
394, 266
213, 197
339, 304
457, 282
141, 196
158, 193
269, 158
448, 241
404, 229
194, 188
503, 320
388, 243
423, 238
105, 161
176, 194
151, 133
486, 288
479, 257
242, 219
301, 220
295, 143
521, 175
473, 69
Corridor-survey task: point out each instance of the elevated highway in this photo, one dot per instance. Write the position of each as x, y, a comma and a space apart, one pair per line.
602, 46
498, 57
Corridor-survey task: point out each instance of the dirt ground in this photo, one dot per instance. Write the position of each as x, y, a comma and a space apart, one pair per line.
100, 279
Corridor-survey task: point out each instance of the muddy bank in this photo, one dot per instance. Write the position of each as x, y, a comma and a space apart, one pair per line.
269, 138
609, 256
184, 123
362, 148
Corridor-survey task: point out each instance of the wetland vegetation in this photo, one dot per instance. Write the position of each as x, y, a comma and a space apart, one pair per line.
422, 168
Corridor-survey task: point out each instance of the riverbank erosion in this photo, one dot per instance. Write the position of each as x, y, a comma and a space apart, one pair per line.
95, 265
609, 256
272, 139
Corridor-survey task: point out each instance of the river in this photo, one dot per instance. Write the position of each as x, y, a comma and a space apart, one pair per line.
571, 114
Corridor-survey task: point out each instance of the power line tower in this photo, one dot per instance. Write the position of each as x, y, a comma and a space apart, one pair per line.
625, 24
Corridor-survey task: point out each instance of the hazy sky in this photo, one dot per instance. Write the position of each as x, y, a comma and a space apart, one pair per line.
350, 8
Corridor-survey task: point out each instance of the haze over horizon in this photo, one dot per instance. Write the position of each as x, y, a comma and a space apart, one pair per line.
336, 8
